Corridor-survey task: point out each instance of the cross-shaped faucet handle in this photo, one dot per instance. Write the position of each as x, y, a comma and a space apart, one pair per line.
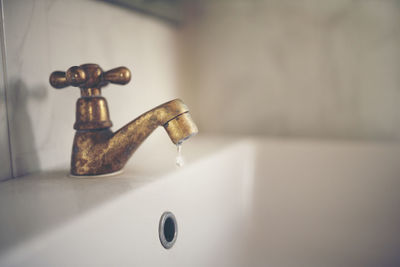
89, 77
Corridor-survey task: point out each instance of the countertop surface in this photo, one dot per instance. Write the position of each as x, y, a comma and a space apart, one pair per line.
33, 204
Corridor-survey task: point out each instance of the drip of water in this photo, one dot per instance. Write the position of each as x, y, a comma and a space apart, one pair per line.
179, 159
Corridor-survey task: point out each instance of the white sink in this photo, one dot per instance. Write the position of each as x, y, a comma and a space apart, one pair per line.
238, 202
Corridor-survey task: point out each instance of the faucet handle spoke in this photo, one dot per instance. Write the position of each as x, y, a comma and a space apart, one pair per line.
120, 75
76, 76
58, 79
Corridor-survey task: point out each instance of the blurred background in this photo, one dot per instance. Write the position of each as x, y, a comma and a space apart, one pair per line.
325, 69
302, 69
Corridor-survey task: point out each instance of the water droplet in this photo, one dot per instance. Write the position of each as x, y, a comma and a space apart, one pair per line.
179, 159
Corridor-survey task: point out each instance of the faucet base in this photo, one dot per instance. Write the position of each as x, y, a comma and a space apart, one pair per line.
88, 176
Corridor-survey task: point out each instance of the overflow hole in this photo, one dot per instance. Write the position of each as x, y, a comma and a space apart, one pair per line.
168, 229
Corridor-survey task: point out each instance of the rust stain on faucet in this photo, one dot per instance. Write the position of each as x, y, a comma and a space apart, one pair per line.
96, 149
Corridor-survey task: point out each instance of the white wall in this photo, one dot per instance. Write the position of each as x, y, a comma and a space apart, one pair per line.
305, 68
5, 159
45, 35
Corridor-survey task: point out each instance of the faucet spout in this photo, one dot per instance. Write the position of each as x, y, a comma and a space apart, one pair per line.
101, 151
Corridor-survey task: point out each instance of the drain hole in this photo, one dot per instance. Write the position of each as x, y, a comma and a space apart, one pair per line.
168, 229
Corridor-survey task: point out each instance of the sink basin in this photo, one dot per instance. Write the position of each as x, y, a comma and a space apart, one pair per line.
237, 202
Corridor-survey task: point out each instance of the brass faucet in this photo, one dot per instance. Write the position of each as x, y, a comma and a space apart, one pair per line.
96, 149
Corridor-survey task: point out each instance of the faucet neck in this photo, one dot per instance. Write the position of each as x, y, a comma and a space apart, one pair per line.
92, 113
90, 91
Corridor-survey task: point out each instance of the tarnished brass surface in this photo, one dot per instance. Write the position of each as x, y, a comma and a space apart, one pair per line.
181, 128
88, 76
96, 149
92, 113
100, 152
